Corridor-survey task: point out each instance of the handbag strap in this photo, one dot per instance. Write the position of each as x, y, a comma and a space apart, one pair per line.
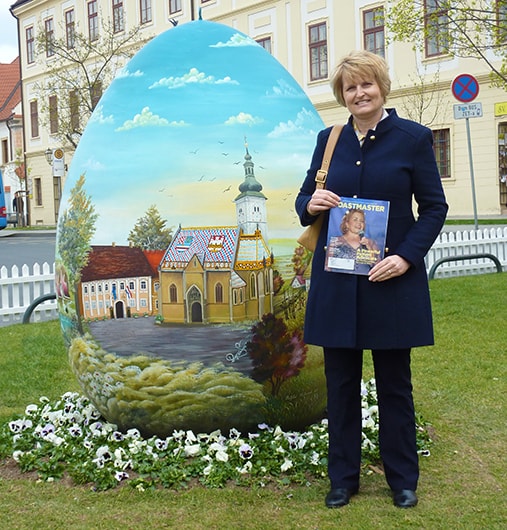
321, 176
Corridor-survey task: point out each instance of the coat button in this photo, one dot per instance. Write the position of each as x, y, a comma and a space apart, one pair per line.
372, 137
358, 163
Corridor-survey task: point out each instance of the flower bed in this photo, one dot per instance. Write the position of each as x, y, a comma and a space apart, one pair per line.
69, 437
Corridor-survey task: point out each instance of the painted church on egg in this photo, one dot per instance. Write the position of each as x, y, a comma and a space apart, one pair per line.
221, 274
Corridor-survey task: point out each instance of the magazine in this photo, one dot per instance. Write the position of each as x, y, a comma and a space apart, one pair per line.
356, 236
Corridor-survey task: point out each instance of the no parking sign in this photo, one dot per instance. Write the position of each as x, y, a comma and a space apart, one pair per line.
465, 88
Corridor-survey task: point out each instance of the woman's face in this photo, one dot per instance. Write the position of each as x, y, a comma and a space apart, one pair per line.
355, 223
362, 97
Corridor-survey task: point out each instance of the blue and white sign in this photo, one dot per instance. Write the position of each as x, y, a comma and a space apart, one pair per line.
467, 110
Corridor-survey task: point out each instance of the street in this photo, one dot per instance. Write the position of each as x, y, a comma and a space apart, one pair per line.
20, 248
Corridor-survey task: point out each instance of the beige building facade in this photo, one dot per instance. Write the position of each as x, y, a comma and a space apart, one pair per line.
308, 37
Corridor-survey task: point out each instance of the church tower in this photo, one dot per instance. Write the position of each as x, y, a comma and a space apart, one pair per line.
251, 202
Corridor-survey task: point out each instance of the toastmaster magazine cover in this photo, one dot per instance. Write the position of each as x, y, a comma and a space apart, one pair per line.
356, 235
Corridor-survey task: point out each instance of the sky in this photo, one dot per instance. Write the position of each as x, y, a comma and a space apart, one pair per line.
8, 33
173, 129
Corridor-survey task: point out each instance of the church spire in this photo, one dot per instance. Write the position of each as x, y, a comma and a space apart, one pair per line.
250, 186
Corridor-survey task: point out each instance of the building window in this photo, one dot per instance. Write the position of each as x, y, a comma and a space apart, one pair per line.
265, 43
373, 21
5, 152
436, 27
132, 286
37, 190
74, 110
442, 149
93, 20
219, 293
53, 114
173, 293
96, 93
85, 289
34, 119
253, 287
502, 161
70, 28
174, 6
501, 20
145, 8
118, 22
318, 51
143, 284
49, 27
30, 45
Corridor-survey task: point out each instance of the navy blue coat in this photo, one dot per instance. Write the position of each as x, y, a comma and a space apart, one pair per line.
396, 163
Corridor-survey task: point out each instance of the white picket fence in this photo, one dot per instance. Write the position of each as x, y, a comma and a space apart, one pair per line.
455, 244
18, 289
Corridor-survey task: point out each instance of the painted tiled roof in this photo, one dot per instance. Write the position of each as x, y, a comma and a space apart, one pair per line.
108, 262
212, 245
10, 88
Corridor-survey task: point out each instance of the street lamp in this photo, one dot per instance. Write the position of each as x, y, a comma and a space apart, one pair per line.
48, 153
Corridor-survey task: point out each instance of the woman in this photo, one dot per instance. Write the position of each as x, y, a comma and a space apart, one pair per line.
344, 250
378, 156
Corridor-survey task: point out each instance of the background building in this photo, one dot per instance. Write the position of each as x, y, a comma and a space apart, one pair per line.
11, 138
307, 37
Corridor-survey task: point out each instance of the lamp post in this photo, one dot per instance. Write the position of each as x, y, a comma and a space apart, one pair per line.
48, 153
55, 158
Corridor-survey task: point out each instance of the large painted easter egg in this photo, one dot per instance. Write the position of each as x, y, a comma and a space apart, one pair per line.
181, 287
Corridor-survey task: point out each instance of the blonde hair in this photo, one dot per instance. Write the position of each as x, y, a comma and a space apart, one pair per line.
360, 65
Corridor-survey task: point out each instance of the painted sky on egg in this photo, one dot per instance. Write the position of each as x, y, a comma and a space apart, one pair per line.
172, 130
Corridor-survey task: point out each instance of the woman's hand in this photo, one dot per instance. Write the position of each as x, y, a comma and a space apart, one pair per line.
322, 200
388, 268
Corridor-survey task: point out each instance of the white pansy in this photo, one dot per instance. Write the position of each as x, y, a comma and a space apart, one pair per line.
192, 450
287, 464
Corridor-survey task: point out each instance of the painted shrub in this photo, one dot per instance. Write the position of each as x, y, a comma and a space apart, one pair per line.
181, 287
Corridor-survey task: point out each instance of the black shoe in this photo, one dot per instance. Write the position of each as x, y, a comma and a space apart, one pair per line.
339, 497
404, 498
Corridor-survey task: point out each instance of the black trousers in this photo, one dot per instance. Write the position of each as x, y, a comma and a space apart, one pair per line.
397, 434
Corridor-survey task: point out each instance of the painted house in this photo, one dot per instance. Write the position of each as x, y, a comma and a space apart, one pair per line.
221, 274
117, 282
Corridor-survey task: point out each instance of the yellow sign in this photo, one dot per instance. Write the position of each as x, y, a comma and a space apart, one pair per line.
501, 108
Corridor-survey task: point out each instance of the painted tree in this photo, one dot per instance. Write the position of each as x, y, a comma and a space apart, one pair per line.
301, 260
276, 354
458, 28
75, 231
150, 232
78, 70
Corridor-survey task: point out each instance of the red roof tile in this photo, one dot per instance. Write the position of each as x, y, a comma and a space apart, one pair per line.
107, 262
10, 88
154, 258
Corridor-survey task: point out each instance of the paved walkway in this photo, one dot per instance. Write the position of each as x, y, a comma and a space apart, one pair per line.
208, 344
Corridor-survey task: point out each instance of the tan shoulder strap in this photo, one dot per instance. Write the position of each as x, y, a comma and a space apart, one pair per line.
321, 176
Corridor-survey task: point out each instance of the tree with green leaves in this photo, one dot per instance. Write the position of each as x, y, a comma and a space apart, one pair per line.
75, 231
458, 28
150, 232
78, 70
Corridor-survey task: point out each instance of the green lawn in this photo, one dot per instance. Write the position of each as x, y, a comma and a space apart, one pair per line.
459, 387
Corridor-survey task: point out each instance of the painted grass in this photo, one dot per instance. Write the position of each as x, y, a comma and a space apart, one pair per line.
459, 386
